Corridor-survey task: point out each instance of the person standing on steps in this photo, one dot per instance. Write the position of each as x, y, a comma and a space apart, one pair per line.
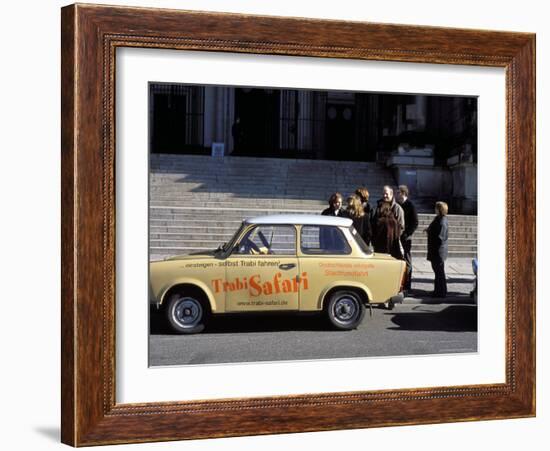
411, 224
438, 235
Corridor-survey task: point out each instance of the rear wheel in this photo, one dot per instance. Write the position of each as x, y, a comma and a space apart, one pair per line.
186, 314
344, 310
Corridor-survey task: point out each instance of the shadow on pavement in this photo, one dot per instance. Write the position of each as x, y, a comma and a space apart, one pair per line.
248, 322
454, 318
450, 279
451, 299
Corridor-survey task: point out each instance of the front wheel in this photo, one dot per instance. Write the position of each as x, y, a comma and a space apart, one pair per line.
186, 314
345, 311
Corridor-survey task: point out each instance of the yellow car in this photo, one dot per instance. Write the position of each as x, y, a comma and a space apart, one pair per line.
295, 263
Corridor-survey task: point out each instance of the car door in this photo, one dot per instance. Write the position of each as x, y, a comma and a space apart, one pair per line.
262, 272
324, 260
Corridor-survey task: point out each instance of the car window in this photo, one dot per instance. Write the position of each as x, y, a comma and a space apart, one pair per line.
320, 239
269, 240
232, 242
359, 239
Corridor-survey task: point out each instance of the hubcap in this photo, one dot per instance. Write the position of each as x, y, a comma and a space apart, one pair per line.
187, 312
345, 309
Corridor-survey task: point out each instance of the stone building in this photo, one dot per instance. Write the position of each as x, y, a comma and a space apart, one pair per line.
428, 142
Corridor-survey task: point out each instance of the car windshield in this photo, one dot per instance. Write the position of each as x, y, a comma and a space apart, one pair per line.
231, 244
359, 239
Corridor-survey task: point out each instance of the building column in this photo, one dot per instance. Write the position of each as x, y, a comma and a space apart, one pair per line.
420, 112
209, 116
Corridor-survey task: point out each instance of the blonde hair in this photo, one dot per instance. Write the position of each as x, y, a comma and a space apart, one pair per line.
355, 207
442, 208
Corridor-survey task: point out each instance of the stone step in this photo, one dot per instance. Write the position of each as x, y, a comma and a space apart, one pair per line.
163, 160
164, 201
258, 206
198, 202
239, 162
199, 171
223, 192
297, 180
194, 174
234, 213
236, 168
301, 205
242, 190
239, 215
212, 173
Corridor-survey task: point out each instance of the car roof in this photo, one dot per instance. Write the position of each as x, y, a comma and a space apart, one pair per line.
301, 220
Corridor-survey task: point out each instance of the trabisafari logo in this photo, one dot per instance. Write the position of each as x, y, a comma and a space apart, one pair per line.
258, 287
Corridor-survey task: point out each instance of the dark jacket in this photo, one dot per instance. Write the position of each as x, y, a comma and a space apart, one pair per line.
362, 225
397, 213
411, 219
385, 238
330, 212
369, 215
438, 235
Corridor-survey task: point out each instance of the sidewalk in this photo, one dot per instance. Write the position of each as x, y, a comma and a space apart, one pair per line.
460, 280
454, 267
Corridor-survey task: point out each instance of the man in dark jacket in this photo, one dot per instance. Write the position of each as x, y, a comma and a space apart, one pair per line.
388, 201
411, 224
334, 206
327, 237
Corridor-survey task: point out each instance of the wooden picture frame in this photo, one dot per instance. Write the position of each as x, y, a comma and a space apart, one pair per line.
90, 36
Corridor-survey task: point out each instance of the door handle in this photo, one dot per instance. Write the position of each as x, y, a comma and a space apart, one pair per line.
286, 266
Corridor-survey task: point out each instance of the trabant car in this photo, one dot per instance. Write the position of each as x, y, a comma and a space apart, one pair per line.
282, 263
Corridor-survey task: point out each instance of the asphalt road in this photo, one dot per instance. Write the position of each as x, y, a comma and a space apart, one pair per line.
419, 326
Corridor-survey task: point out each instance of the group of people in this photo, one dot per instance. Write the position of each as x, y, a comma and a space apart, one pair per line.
389, 227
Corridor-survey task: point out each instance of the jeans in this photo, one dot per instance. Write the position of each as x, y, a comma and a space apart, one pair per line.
407, 244
440, 283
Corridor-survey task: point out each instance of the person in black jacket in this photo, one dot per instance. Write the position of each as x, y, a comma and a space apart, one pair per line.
438, 235
355, 212
386, 232
363, 194
334, 206
411, 224
327, 235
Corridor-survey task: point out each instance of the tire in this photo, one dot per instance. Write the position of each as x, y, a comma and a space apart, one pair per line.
344, 310
186, 314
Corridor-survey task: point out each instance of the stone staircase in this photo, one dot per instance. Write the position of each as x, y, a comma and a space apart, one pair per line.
197, 202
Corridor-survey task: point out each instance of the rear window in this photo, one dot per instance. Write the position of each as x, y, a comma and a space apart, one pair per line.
365, 248
323, 240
